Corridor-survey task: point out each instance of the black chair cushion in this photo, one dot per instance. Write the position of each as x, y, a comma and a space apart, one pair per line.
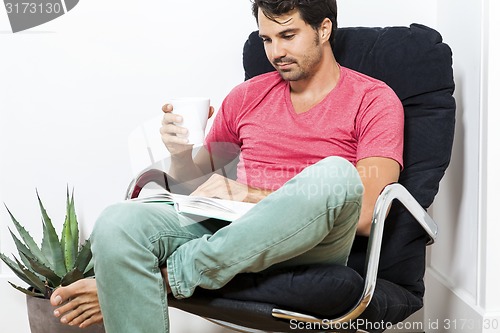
241, 302
258, 293
417, 65
291, 289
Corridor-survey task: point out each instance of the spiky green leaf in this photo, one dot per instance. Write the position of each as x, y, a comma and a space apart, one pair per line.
39, 270
69, 240
26, 291
84, 256
51, 246
28, 240
74, 222
21, 248
71, 277
35, 281
67, 247
24, 253
15, 268
53, 279
89, 272
24, 258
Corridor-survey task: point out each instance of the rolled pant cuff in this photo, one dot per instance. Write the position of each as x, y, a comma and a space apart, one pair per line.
172, 281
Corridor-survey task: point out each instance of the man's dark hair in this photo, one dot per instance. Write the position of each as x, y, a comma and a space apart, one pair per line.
313, 12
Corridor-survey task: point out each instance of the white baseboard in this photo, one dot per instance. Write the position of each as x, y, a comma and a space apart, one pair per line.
447, 310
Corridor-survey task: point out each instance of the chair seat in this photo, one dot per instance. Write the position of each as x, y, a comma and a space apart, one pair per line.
322, 290
325, 291
319, 290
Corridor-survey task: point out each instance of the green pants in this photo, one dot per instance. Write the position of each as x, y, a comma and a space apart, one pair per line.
311, 219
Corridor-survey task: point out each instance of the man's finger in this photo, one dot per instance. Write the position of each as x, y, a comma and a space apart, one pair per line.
171, 139
173, 129
170, 118
167, 108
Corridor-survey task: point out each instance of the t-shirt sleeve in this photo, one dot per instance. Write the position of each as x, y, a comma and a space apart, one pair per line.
222, 140
380, 125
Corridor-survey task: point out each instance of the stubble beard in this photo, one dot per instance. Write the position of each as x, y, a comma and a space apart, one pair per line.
302, 69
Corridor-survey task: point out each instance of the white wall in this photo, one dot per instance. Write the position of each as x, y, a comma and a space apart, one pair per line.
368, 13
72, 90
489, 265
457, 249
462, 276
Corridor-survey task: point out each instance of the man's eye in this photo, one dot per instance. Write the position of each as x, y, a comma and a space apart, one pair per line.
266, 40
288, 36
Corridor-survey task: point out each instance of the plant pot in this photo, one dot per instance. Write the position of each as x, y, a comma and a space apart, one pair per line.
42, 320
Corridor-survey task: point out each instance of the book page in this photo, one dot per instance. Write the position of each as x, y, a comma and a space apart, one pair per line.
227, 210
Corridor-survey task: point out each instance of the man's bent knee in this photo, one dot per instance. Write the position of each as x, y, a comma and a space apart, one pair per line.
119, 223
333, 176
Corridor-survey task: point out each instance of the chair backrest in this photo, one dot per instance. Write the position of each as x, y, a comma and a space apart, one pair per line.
417, 65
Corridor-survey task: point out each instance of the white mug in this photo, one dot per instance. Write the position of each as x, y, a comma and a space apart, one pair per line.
194, 112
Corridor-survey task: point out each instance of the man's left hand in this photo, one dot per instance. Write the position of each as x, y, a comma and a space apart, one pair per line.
221, 187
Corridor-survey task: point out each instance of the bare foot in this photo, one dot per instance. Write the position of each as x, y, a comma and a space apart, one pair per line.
78, 303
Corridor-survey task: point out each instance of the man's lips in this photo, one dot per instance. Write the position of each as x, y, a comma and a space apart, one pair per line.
284, 65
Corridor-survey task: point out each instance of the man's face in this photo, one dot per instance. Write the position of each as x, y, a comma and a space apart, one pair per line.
292, 46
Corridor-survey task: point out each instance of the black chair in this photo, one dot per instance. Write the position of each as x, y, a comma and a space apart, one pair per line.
383, 282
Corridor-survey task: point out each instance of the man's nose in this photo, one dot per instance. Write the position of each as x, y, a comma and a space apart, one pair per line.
278, 50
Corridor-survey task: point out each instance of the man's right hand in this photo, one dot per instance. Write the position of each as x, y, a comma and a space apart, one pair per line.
169, 130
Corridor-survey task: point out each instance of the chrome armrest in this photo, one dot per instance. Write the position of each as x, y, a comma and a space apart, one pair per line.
381, 209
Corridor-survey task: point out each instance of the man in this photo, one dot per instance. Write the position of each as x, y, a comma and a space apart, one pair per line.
312, 135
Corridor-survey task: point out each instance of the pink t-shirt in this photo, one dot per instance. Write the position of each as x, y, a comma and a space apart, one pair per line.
361, 117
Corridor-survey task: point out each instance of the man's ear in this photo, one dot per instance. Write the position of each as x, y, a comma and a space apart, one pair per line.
325, 30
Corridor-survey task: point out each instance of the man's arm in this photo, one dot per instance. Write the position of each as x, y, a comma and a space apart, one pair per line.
183, 167
375, 173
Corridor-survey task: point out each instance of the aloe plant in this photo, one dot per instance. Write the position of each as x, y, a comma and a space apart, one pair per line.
57, 262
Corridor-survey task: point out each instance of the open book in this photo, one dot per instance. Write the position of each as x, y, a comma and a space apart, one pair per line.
221, 209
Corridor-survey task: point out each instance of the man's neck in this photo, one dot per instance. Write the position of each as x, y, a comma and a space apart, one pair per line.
308, 92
